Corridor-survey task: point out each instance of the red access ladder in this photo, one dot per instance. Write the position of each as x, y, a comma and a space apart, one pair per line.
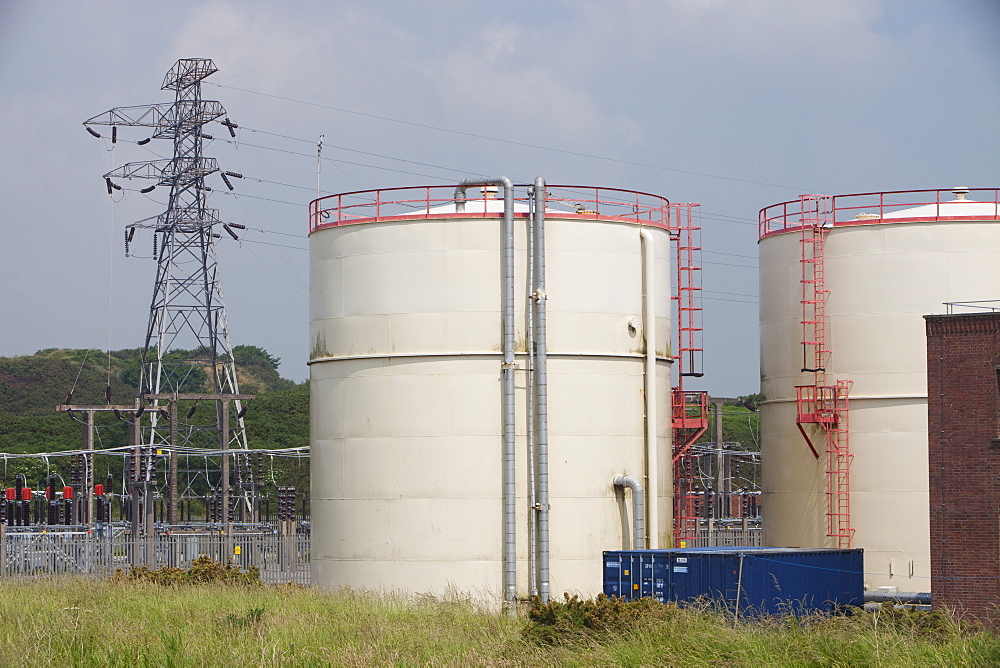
689, 414
821, 403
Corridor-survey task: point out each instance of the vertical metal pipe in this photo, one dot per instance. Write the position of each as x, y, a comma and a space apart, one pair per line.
539, 296
510, 472
509, 482
532, 423
649, 333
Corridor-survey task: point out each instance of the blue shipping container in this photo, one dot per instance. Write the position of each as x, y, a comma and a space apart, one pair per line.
768, 580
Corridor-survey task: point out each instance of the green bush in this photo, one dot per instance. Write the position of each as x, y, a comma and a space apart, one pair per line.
574, 619
204, 570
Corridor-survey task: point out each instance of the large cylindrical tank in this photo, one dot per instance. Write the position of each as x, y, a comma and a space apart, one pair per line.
406, 365
889, 259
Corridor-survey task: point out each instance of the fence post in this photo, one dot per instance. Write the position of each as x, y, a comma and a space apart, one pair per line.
3, 549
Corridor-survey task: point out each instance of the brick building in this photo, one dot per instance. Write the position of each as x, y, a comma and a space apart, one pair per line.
963, 410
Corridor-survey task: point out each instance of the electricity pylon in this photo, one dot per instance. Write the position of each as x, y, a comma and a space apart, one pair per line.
187, 349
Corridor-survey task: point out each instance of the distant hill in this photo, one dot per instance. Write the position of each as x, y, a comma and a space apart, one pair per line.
31, 386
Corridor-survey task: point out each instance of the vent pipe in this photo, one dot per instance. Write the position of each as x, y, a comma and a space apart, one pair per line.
540, 377
649, 334
638, 509
509, 471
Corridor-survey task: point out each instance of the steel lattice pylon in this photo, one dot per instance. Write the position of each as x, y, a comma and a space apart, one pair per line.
187, 347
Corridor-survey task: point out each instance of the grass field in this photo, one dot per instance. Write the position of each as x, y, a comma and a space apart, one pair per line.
89, 622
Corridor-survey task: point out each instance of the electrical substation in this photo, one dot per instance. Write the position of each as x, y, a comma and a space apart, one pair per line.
190, 484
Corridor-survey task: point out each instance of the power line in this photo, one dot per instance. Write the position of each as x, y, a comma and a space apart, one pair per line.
749, 257
733, 294
512, 142
726, 218
735, 301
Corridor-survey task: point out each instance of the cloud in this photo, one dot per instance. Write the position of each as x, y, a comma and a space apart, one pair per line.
257, 45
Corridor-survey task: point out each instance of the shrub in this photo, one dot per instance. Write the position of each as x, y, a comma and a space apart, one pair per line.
572, 619
204, 570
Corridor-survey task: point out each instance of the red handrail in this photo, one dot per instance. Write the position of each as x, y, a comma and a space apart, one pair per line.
417, 202
885, 207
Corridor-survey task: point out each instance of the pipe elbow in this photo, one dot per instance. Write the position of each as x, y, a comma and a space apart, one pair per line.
627, 481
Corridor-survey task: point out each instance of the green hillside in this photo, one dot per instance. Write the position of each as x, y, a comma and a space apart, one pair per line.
31, 386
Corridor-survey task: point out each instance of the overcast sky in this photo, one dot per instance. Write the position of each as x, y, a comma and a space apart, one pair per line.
735, 104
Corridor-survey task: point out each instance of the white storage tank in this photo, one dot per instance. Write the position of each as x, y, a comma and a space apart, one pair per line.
888, 259
406, 384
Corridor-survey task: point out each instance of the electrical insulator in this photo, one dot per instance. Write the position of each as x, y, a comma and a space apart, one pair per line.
235, 175
227, 181
69, 398
191, 410
93, 132
231, 233
114, 134
143, 142
154, 245
238, 226
206, 136
107, 393
147, 190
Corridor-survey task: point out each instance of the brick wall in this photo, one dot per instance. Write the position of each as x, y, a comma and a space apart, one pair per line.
963, 410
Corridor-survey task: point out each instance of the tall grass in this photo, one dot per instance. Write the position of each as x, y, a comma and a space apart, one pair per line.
78, 621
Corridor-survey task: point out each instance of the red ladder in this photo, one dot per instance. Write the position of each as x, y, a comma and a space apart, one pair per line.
689, 414
822, 404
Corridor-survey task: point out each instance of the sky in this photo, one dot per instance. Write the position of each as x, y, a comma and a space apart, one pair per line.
735, 104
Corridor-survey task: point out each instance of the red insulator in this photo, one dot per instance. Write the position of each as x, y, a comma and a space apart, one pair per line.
98, 489
67, 492
48, 492
26, 494
10, 493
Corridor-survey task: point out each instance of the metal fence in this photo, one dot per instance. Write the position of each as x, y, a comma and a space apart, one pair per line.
280, 559
750, 537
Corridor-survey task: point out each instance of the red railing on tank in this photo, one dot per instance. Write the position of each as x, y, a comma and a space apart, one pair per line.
884, 207
421, 202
